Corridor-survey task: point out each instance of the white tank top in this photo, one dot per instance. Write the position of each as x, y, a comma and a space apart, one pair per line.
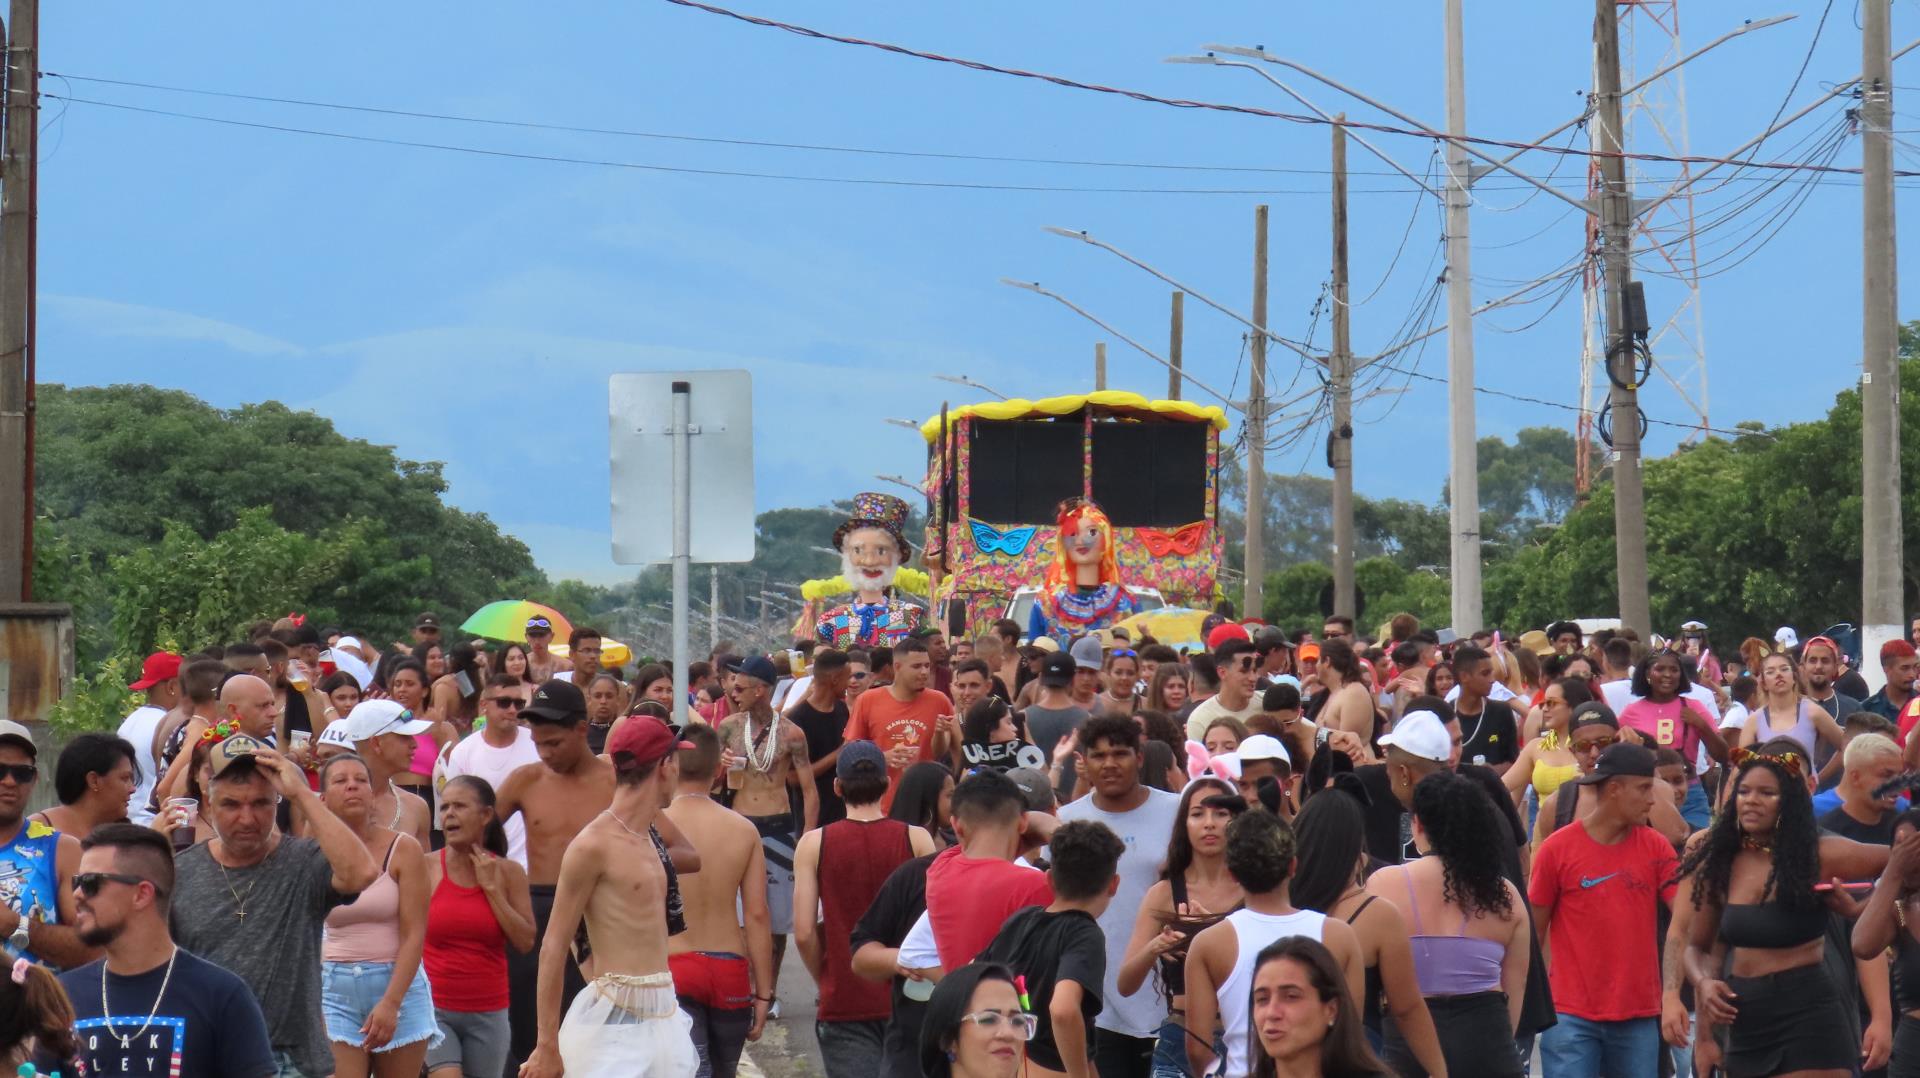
1254, 931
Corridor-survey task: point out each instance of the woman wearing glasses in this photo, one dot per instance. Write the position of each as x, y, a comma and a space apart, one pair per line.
976, 1026
1753, 892
1592, 730
1547, 761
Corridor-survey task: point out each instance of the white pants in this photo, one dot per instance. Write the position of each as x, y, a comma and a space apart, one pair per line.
626, 1026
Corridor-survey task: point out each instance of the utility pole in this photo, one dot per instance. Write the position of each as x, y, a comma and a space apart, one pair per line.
1616, 229
1099, 366
1254, 601
1175, 343
17, 175
1882, 585
1463, 479
1340, 375
713, 608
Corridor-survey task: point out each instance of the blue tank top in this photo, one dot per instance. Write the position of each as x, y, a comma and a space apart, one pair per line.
29, 872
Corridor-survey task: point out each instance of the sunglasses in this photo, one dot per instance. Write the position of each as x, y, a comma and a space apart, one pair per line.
1121, 653
20, 773
1024, 1024
1594, 746
1246, 665
89, 883
513, 702
862, 676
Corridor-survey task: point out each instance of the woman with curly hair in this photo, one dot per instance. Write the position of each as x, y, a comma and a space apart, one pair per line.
1754, 898
1473, 977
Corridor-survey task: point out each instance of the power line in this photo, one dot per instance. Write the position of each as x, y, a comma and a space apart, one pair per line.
520, 155
1244, 110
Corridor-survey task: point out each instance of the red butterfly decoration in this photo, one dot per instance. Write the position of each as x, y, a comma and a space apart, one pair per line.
1182, 542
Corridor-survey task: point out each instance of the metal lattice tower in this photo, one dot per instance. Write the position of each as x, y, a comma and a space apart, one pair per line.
1666, 253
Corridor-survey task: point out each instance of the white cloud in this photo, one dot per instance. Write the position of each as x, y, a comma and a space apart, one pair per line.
110, 318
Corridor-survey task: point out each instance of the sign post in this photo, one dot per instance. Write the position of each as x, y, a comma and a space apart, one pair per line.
707, 418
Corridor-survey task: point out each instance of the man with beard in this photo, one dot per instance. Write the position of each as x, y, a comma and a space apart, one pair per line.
1820, 664
255, 900
872, 545
150, 1008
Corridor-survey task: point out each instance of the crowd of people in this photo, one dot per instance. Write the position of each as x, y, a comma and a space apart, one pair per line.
1285, 854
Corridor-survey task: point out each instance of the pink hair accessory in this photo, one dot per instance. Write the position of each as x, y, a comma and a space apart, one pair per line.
20, 968
1225, 767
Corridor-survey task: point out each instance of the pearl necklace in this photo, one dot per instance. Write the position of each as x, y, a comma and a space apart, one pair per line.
761, 757
106, 1010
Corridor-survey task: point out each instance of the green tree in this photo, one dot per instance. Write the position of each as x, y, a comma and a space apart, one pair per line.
130, 468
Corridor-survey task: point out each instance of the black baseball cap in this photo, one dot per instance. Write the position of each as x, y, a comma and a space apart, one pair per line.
1057, 670
558, 700
758, 667
1592, 713
428, 620
1622, 761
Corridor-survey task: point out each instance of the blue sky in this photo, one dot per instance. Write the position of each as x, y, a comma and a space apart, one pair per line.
469, 308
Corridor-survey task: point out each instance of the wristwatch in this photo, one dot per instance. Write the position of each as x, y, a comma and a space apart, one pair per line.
19, 938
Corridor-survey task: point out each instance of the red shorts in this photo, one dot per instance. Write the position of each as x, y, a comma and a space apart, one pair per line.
714, 979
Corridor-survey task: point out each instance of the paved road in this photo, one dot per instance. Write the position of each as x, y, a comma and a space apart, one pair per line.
787, 1048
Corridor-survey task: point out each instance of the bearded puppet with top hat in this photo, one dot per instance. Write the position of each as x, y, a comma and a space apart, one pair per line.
873, 546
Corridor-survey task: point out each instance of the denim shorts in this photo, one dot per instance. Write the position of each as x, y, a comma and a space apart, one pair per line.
350, 991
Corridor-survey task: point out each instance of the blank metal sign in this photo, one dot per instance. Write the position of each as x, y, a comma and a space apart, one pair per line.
640, 410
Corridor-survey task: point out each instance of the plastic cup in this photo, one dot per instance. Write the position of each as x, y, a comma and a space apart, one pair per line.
183, 835
918, 991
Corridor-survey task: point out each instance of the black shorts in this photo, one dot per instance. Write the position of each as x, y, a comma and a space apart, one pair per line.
1793, 1020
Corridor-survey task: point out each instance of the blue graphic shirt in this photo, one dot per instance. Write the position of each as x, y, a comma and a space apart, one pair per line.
30, 876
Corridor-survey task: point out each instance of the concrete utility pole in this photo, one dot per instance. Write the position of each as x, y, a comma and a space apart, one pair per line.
1340, 378
1882, 585
1175, 344
1616, 228
1099, 365
17, 175
713, 608
1254, 601
1463, 474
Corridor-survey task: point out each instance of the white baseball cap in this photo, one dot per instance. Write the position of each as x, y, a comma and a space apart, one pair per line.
1264, 747
1786, 637
371, 718
336, 735
1422, 734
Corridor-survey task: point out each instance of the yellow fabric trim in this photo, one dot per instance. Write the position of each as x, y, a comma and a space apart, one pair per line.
1109, 398
911, 581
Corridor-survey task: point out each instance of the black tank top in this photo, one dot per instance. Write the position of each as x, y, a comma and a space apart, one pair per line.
1173, 964
1906, 971
1370, 1015
1564, 807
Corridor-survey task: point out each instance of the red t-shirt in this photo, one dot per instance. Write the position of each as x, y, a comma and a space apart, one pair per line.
888, 723
1909, 715
1605, 903
970, 898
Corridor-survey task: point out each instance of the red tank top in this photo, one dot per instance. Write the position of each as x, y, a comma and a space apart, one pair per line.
856, 857
465, 953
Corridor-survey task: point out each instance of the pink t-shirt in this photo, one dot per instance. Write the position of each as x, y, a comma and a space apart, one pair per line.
1666, 725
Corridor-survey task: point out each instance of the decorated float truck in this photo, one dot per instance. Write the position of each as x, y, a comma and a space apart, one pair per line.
997, 472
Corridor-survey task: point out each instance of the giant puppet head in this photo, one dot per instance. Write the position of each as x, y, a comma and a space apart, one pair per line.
872, 544
1083, 553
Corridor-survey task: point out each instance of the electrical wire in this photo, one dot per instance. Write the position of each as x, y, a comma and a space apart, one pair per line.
1215, 106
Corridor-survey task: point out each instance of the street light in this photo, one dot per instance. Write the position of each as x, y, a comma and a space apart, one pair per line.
907, 423
900, 482
963, 380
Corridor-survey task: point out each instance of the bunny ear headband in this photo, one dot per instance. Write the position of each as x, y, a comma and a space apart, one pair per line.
1200, 765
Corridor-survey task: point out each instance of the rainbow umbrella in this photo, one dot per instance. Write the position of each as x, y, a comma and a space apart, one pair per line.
507, 620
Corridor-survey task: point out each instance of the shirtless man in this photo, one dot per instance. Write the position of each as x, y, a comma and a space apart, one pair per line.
726, 995
383, 734
542, 663
629, 1025
556, 799
762, 751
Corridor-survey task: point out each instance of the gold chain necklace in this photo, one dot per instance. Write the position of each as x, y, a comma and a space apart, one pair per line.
239, 900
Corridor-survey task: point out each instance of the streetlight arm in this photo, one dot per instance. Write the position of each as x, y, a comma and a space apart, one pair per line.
1034, 287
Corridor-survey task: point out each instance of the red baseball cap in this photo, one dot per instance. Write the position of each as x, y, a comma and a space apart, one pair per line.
644, 738
1225, 631
160, 666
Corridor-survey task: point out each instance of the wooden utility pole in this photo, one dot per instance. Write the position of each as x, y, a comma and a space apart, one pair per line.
1254, 600
1340, 377
1175, 342
1099, 365
17, 174
1882, 580
1616, 225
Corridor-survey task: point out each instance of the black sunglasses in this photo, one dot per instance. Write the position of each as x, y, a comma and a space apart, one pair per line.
89, 883
513, 702
20, 773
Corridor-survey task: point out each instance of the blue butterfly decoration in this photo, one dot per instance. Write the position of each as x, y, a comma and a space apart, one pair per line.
992, 541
